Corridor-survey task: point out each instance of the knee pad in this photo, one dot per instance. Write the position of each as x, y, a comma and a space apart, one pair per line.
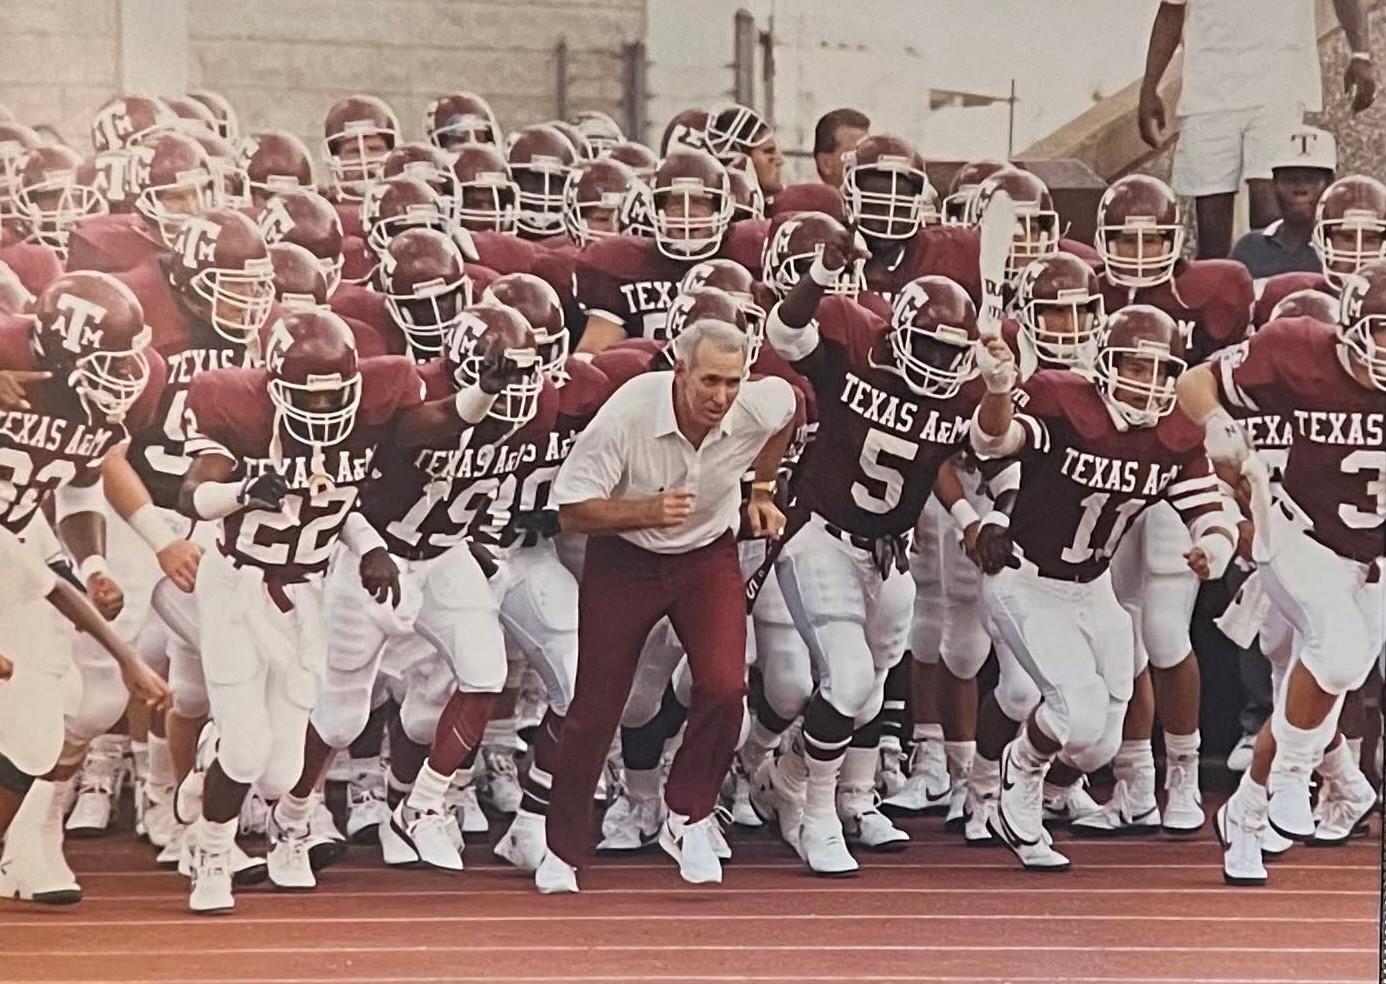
280, 775
104, 699
848, 684
1076, 714
1339, 659
1016, 693
423, 702
965, 643
244, 753
1167, 605
186, 681
1094, 755
787, 679
152, 644
872, 708
339, 720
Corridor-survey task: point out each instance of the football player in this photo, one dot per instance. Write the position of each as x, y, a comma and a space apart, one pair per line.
453, 121
50, 196
1096, 452
1318, 548
274, 161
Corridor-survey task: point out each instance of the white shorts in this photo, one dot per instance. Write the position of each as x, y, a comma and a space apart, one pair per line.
1217, 151
43, 690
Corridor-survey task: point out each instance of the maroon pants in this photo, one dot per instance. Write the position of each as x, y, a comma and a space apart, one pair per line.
625, 590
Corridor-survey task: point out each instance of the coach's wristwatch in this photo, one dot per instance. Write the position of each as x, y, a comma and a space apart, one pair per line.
768, 487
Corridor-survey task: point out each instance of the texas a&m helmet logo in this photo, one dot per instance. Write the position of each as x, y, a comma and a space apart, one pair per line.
196, 244
78, 322
277, 347
275, 221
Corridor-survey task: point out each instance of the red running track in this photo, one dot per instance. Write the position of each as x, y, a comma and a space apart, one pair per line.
1150, 911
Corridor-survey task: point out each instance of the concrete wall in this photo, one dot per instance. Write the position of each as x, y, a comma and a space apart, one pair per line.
283, 62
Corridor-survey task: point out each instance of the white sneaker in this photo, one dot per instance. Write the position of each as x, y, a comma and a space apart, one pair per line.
956, 816
99, 786
1183, 813
780, 802
462, 803
823, 847
742, 813
173, 849
158, 814
500, 780
1119, 817
1018, 822
288, 863
211, 882
1290, 812
523, 844
1065, 804
32, 867
928, 788
1273, 846
554, 876
720, 845
690, 844
865, 826
247, 869
1341, 810
187, 800
1240, 838
981, 811
631, 823
326, 845
1239, 759
890, 775
254, 820
418, 836
367, 808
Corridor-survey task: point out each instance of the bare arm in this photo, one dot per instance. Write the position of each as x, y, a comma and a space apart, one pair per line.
597, 516
599, 334
1359, 78
1349, 14
1165, 36
771, 457
1198, 393
142, 681
178, 558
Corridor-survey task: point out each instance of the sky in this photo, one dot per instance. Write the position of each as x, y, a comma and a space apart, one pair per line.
883, 56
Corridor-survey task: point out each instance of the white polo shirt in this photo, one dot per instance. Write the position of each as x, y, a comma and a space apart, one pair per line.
1247, 54
633, 449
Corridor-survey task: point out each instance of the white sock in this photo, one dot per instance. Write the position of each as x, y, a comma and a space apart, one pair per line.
1296, 749
1250, 798
160, 763
960, 756
1356, 745
214, 837
139, 757
1182, 747
928, 732
429, 789
858, 772
642, 784
1027, 756
985, 779
1132, 757
821, 792
1339, 765
291, 813
759, 743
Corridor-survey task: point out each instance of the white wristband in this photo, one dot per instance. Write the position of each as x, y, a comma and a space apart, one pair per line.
150, 525
360, 536
997, 518
216, 500
1218, 549
473, 404
1365, 56
963, 514
93, 565
821, 275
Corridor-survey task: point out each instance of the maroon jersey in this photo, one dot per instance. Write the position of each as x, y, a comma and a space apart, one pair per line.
879, 444
1085, 477
944, 251
813, 196
505, 253
34, 264
349, 214
1210, 299
110, 244
627, 280
558, 240
51, 443
364, 311
1281, 286
232, 416
1335, 474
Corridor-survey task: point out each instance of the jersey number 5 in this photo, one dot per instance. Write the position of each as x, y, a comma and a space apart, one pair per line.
888, 480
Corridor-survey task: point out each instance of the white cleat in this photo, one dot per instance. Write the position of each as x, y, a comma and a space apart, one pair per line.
779, 802
98, 790
554, 876
631, 823
1183, 813
690, 844
743, 814
824, 847
1290, 812
462, 802
211, 882
326, 845
1273, 846
254, 820
1239, 759
367, 808
865, 826
500, 780
288, 863
981, 810
956, 816
1240, 838
1065, 804
1018, 822
1119, 817
523, 844
928, 788
1340, 811
32, 867
173, 849
890, 776
418, 836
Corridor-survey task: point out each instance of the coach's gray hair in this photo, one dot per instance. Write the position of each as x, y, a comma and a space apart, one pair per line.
721, 335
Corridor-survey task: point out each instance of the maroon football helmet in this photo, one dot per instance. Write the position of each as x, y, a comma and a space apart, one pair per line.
1314, 304
957, 204
541, 158
637, 157
1139, 362
736, 281
50, 195
1362, 322
576, 137
597, 200
542, 308
933, 326
221, 267
89, 331
426, 162
273, 161
687, 130
357, 135
1037, 223
748, 201
601, 131
1061, 311
314, 379
391, 206
1140, 235
307, 219
691, 205
492, 330
701, 303
298, 280
735, 129
426, 288
883, 187
228, 176
795, 241
126, 120
14, 296
486, 198
16, 140
192, 113
1350, 226
461, 118
228, 126
172, 180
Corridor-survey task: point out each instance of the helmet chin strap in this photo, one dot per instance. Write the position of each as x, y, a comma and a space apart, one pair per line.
319, 482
